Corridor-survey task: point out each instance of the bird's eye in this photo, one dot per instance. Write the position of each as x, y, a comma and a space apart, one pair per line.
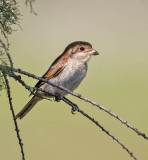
82, 48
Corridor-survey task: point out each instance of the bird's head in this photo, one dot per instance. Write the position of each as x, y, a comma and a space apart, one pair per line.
81, 51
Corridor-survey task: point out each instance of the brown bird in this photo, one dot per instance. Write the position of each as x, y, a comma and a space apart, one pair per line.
68, 70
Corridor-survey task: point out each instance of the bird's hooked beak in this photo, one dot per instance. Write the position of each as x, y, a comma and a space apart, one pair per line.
93, 52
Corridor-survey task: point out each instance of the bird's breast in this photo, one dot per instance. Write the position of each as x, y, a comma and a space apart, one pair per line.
72, 75
70, 78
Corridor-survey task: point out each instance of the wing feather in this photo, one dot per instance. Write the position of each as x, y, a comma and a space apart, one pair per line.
56, 68
50, 74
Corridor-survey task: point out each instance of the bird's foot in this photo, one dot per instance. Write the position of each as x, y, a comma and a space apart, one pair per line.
74, 108
57, 97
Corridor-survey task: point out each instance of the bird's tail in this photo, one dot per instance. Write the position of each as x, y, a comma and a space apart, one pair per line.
28, 107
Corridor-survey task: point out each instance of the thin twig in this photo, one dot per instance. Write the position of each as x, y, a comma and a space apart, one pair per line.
13, 114
103, 129
7, 52
30, 89
81, 97
18, 78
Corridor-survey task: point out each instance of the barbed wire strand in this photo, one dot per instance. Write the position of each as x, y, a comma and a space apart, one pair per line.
82, 98
13, 115
18, 78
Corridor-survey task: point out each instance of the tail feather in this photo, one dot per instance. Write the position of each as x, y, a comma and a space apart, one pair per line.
28, 107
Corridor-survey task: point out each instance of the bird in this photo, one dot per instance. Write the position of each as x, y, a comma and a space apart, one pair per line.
67, 70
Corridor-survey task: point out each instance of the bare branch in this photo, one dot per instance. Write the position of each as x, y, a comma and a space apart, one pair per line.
103, 129
30, 89
18, 78
13, 115
81, 97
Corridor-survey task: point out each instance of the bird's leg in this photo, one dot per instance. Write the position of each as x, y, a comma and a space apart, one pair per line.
74, 106
57, 97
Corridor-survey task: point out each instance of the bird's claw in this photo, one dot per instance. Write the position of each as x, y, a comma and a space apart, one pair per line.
74, 108
58, 98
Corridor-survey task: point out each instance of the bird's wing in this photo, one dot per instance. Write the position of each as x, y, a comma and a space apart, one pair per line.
56, 67
53, 71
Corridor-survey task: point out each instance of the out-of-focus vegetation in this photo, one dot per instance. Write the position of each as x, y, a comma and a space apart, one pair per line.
10, 15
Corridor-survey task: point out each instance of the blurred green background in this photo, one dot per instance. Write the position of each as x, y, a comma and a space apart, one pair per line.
116, 79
